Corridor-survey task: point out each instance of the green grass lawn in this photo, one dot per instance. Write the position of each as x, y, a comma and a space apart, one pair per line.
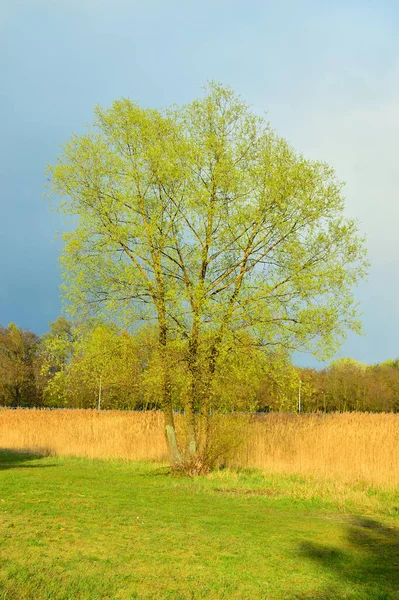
81, 529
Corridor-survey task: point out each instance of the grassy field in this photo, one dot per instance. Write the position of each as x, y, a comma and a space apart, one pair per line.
74, 528
351, 447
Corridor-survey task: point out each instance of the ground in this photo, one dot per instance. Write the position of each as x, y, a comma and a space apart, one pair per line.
81, 529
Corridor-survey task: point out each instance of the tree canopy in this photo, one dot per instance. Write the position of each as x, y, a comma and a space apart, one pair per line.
203, 221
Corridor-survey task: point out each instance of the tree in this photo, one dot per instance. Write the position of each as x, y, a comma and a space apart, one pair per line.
19, 370
347, 384
203, 221
105, 363
57, 348
383, 386
89, 364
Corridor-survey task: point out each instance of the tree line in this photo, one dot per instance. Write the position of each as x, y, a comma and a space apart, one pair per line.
98, 364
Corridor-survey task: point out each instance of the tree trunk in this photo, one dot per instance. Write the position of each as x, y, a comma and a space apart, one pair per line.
194, 392
170, 435
207, 398
169, 421
191, 430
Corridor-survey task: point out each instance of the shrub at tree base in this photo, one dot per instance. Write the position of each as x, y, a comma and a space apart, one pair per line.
219, 437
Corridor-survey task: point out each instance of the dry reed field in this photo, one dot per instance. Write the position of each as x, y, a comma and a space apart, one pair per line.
353, 447
350, 446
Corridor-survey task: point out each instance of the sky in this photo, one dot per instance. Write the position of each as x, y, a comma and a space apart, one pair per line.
326, 74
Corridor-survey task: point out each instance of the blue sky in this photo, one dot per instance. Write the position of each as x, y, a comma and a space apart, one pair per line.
326, 73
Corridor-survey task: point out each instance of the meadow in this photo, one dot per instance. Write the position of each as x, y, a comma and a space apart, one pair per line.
307, 509
118, 530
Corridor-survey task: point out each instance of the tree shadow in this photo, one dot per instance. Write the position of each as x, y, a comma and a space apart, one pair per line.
368, 569
12, 459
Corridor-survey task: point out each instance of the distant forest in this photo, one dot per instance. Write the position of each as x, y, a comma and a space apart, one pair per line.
98, 363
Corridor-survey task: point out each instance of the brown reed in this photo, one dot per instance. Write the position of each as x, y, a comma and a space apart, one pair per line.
350, 446
354, 447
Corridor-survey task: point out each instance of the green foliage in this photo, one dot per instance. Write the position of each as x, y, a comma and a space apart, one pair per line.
20, 383
106, 357
57, 347
347, 385
162, 197
64, 367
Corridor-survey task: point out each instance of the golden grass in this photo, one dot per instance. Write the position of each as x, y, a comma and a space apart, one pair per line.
353, 447
89, 433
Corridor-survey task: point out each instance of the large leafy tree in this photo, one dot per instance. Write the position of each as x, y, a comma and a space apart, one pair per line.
204, 221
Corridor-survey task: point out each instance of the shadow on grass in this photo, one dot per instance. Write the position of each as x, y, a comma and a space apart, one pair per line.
11, 459
368, 569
